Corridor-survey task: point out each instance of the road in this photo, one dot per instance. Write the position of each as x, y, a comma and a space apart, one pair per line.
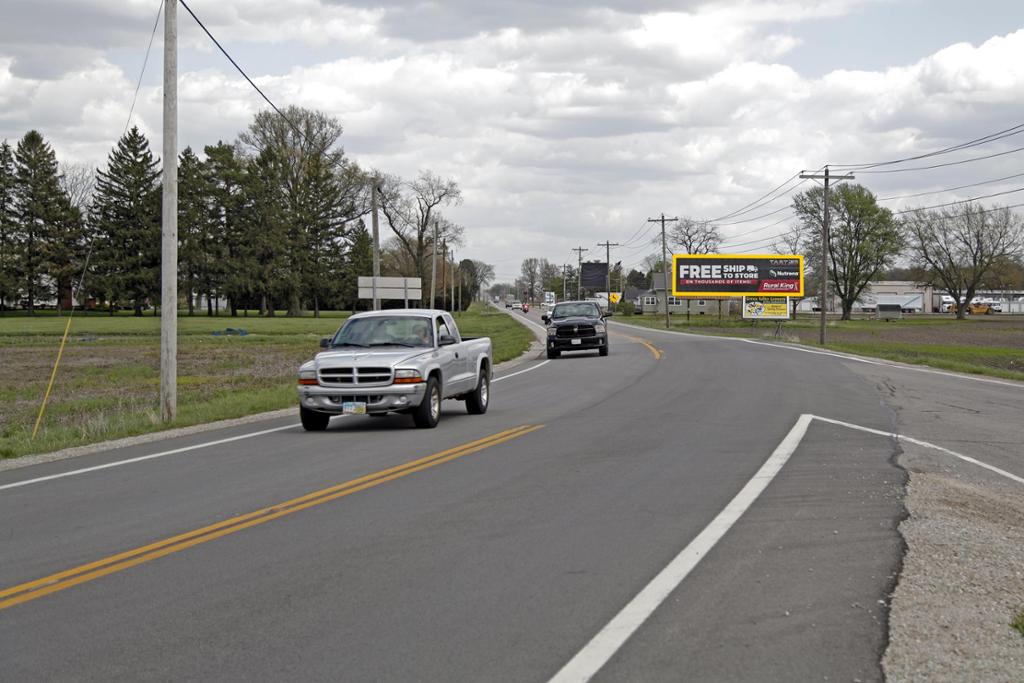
494, 547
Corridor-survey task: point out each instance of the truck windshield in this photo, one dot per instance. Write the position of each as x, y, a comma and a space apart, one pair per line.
412, 331
583, 310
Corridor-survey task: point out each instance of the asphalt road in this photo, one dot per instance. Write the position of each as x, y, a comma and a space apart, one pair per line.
492, 548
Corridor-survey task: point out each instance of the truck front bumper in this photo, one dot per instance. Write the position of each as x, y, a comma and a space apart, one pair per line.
581, 343
377, 399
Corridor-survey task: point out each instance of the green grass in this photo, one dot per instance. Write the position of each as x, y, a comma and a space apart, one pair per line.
1018, 622
108, 383
992, 345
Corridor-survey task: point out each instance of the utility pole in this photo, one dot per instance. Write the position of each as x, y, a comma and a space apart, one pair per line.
608, 274
565, 281
169, 222
444, 274
454, 270
664, 258
376, 241
823, 275
433, 267
579, 273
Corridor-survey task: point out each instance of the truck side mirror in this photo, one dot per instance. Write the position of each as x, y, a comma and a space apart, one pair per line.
545, 318
446, 340
325, 343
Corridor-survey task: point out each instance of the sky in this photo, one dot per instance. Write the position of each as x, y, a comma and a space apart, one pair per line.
564, 123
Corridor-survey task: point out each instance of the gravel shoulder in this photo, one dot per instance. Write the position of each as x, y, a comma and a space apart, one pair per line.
963, 575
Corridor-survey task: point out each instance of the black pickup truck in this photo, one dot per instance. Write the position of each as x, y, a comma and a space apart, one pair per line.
576, 326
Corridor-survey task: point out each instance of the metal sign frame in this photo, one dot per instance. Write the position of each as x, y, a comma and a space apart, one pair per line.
749, 259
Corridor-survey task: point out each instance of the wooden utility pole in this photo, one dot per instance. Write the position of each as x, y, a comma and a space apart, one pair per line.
579, 273
823, 275
565, 281
608, 275
444, 275
375, 187
664, 259
433, 268
169, 222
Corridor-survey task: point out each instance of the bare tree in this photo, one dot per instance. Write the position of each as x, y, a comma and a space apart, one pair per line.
530, 270
411, 208
958, 247
78, 182
691, 236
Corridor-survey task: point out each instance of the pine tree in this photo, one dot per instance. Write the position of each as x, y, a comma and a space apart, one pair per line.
125, 216
225, 248
41, 211
195, 225
8, 233
262, 257
358, 261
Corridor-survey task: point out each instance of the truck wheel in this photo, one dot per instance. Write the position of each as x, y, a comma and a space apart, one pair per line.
428, 412
603, 351
478, 400
313, 421
553, 354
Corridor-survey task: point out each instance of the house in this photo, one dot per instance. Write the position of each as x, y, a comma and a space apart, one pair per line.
652, 301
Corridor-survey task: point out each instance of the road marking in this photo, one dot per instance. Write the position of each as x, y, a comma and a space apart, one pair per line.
38, 588
835, 354
607, 642
530, 369
161, 454
655, 351
925, 444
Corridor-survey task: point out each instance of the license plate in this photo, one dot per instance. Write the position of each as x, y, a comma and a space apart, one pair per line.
576, 341
353, 408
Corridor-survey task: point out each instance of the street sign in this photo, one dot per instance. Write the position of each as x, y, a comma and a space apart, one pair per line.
765, 308
723, 275
615, 297
391, 288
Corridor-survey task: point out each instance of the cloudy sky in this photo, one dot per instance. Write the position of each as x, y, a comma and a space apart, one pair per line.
565, 123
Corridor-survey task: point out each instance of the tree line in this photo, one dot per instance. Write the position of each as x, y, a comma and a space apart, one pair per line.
273, 221
959, 248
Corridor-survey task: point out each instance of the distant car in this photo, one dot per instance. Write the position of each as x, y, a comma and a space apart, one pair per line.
576, 326
517, 305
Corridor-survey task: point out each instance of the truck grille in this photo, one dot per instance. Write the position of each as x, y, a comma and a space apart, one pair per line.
351, 376
568, 331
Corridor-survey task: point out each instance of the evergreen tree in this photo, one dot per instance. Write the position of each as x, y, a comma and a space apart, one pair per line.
359, 261
8, 231
195, 227
226, 268
41, 211
125, 216
260, 263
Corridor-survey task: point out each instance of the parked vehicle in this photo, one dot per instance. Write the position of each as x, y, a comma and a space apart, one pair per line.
576, 326
404, 361
975, 308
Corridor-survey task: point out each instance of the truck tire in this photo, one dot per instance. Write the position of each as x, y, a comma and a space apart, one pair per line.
603, 351
428, 412
553, 354
313, 421
478, 399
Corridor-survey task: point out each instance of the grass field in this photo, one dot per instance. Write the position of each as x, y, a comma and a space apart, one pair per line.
985, 345
107, 385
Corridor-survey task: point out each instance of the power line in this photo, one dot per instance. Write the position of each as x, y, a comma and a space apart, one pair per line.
950, 189
755, 218
991, 137
757, 202
764, 227
962, 201
142, 72
950, 163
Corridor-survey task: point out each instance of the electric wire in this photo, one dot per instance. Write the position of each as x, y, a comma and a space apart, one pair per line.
949, 189
142, 72
961, 201
949, 163
991, 137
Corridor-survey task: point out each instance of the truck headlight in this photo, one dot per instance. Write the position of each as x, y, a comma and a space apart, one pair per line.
599, 328
408, 376
308, 378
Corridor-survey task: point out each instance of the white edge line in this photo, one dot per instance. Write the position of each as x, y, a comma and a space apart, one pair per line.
834, 354
151, 456
185, 449
529, 369
925, 444
607, 642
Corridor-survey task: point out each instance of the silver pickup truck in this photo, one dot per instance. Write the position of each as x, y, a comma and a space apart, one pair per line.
403, 361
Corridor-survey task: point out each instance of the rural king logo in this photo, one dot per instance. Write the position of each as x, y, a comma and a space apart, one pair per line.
779, 286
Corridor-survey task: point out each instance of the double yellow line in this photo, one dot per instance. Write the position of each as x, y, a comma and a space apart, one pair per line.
31, 590
655, 351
